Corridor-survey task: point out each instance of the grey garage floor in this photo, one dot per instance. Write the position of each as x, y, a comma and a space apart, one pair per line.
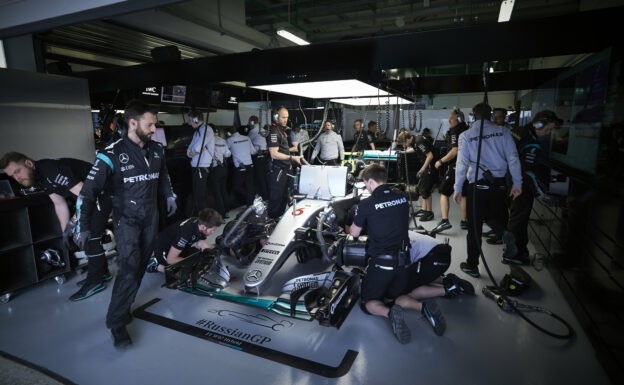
482, 345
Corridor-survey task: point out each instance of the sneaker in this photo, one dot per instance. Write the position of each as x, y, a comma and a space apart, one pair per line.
454, 285
463, 225
121, 338
434, 316
511, 250
494, 240
399, 327
489, 234
152, 266
87, 291
472, 271
419, 213
520, 259
105, 278
443, 225
427, 216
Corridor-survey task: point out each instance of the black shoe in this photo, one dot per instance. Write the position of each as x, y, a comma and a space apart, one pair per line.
494, 240
511, 250
472, 271
105, 278
489, 234
399, 327
419, 212
454, 285
443, 225
427, 216
121, 338
463, 225
87, 291
434, 316
520, 259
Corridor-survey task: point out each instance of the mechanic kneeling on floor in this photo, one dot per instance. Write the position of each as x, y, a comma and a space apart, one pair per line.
62, 178
385, 214
176, 242
429, 260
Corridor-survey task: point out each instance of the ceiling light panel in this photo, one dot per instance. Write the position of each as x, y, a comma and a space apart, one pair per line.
325, 90
382, 101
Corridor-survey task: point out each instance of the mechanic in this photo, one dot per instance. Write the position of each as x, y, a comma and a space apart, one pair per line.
201, 151
527, 140
429, 260
424, 151
385, 214
63, 178
373, 134
219, 173
281, 163
135, 167
500, 114
180, 239
242, 151
361, 139
488, 185
457, 126
260, 159
330, 147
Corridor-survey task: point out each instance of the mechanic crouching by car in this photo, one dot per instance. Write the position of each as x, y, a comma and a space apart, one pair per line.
385, 214
176, 242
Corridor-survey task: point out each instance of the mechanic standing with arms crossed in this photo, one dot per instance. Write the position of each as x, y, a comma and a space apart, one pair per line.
281, 164
487, 186
385, 215
135, 167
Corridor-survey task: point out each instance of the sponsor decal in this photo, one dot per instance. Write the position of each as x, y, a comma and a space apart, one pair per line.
298, 212
337, 301
391, 203
275, 244
269, 251
124, 158
141, 178
127, 168
254, 275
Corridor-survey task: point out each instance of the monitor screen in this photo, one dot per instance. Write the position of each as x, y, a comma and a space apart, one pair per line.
173, 94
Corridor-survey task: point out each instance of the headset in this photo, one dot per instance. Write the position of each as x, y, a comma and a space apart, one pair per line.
275, 113
195, 119
460, 115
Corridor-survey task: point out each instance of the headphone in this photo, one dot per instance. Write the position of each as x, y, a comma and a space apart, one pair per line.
275, 113
541, 124
460, 115
195, 120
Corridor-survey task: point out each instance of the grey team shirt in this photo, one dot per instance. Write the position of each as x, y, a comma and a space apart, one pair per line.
498, 152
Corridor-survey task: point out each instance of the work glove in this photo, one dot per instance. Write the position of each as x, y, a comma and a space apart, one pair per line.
171, 206
68, 235
419, 174
81, 238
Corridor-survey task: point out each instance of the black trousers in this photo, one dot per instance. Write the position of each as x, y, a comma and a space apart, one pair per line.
519, 214
243, 184
135, 242
331, 162
488, 205
218, 187
93, 247
278, 191
261, 174
200, 188
429, 268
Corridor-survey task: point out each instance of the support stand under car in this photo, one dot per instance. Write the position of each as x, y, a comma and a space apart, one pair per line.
496, 292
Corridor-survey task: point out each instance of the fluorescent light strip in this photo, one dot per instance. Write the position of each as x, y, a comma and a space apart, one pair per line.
505, 10
292, 37
325, 90
382, 101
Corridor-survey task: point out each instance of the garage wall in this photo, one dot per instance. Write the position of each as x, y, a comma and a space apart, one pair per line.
45, 116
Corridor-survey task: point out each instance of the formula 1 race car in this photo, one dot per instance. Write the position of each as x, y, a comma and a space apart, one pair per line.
311, 228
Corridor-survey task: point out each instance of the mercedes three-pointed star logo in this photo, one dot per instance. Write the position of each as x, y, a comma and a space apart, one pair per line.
124, 158
254, 275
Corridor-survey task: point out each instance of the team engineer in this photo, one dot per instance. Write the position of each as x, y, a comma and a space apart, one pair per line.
488, 185
385, 214
279, 149
330, 147
135, 167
